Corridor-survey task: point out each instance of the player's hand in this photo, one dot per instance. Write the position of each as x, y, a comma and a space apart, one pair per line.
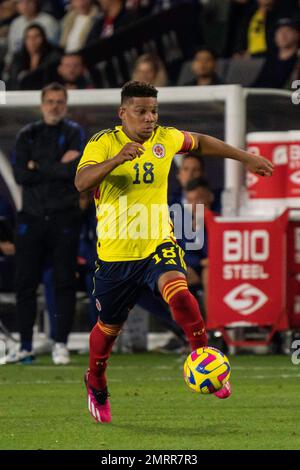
129, 152
259, 165
69, 156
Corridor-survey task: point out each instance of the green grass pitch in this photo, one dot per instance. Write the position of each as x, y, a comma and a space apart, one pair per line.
44, 406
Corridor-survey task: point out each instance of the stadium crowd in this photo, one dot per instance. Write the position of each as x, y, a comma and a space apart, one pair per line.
51, 38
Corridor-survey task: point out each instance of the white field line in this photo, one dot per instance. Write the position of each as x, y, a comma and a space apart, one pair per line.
129, 367
137, 379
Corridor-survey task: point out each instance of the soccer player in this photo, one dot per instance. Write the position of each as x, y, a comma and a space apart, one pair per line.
128, 169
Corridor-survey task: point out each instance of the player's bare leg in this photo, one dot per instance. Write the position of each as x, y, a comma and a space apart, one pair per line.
102, 339
186, 312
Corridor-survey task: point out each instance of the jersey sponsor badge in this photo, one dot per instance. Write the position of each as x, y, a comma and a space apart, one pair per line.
158, 150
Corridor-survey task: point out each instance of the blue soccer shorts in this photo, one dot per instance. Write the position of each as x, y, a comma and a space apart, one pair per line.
117, 285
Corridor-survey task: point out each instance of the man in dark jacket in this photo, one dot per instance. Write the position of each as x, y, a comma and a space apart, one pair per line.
48, 225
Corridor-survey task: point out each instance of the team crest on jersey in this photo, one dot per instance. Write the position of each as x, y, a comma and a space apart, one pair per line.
158, 150
98, 305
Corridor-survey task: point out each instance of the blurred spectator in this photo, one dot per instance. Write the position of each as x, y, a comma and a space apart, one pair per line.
150, 69
278, 69
255, 29
197, 192
239, 12
56, 8
191, 167
77, 24
160, 5
87, 254
29, 11
8, 12
7, 246
72, 73
115, 16
36, 53
7, 268
48, 225
140, 7
204, 67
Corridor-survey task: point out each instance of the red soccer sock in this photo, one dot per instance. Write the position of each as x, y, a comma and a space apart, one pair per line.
102, 338
186, 311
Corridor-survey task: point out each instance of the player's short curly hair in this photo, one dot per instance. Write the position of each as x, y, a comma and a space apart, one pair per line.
136, 89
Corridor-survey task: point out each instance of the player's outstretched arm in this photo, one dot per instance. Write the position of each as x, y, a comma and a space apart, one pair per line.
90, 176
207, 145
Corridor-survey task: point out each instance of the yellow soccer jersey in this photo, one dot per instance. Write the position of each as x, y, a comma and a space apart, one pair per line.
257, 42
131, 202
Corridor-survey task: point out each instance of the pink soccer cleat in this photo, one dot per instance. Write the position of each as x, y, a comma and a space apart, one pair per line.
98, 402
224, 392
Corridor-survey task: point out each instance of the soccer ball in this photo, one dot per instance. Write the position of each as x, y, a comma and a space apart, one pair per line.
206, 370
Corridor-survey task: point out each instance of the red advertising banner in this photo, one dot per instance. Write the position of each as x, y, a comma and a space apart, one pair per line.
293, 170
275, 147
247, 273
283, 150
293, 274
